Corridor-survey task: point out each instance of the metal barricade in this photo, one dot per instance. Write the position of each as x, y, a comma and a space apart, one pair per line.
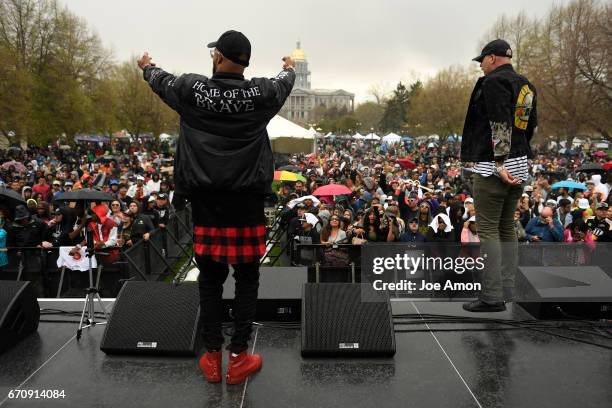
145, 260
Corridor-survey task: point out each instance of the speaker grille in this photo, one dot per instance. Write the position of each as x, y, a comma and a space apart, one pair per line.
154, 318
337, 322
19, 312
8, 291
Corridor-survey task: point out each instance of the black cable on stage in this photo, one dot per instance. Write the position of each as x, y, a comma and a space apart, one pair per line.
59, 321
464, 319
487, 329
552, 326
526, 325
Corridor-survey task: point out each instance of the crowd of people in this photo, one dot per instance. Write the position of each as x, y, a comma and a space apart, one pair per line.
138, 176
408, 192
418, 192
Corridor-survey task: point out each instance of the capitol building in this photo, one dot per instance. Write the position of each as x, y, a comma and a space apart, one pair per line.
302, 100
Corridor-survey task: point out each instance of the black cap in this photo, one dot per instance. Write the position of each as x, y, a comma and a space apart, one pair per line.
162, 196
602, 206
496, 47
234, 46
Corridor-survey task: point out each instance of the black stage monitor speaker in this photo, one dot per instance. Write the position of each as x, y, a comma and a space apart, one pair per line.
279, 297
337, 322
154, 318
19, 312
565, 292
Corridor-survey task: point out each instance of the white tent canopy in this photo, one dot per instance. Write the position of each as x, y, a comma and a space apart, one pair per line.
313, 132
358, 136
392, 138
281, 127
372, 136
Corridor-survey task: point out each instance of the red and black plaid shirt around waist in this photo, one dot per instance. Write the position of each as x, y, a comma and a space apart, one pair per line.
230, 245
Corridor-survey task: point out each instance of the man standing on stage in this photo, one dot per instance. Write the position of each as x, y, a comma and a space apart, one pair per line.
500, 122
224, 166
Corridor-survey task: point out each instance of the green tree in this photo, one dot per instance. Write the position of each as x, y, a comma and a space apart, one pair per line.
368, 115
396, 112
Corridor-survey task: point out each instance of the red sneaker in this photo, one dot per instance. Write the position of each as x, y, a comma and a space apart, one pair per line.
242, 366
210, 364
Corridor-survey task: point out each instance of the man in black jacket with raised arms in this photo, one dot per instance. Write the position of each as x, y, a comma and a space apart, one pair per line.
224, 166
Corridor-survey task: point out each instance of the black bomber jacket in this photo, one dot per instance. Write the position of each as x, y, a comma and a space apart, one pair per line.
501, 117
223, 143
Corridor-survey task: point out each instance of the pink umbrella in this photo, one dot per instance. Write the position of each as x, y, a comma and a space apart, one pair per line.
332, 190
600, 154
18, 166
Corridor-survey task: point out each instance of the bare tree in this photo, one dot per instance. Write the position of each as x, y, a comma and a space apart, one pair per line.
440, 106
379, 92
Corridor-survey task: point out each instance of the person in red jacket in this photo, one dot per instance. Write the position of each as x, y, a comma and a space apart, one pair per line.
105, 234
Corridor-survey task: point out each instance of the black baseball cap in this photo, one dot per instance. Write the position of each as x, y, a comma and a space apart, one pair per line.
602, 206
234, 46
496, 47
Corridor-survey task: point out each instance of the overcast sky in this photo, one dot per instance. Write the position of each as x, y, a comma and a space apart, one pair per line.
349, 44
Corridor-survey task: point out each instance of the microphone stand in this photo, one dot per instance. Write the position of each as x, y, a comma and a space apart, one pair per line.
88, 318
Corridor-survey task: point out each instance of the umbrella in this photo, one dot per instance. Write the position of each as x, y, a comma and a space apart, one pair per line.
569, 184
85, 194
590, 168
19, 167
287, 176
600, 153
406, 163
295, 201
332, 190
11, 197
291, 167
607, 166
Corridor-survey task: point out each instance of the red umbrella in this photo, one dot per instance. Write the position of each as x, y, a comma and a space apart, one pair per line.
406, 163
600, 154
332, 190
607, 166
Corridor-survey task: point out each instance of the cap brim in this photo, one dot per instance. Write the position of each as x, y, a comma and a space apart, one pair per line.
212, 44
478, 58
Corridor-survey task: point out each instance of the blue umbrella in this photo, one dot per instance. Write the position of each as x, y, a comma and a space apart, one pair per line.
569, 184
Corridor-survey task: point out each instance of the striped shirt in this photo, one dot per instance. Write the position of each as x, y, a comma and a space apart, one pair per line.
518, 167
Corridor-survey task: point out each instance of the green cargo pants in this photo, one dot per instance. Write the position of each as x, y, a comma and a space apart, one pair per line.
495, 203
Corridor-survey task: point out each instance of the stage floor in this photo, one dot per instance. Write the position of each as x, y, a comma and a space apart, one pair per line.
431, 369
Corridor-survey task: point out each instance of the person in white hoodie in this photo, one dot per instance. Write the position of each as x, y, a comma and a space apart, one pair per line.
153, 184
601, 190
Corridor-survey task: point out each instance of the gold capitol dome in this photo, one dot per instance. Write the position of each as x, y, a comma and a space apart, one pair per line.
298, 54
